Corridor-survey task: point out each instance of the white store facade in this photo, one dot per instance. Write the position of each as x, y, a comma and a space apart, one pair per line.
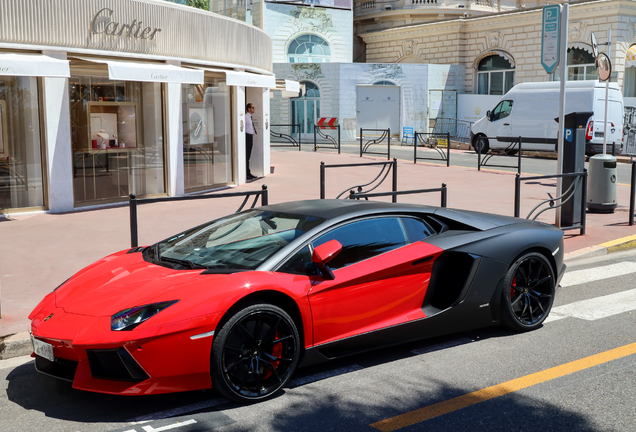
100, 99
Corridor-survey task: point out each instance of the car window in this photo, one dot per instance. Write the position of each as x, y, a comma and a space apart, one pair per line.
300, 263
502, 110
364, 239
416, 229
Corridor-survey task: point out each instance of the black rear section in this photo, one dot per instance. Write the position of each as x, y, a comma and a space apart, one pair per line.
115, 364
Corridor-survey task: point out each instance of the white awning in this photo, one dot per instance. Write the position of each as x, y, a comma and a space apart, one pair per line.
244, 79
288, 88
149, 72
36, 65
630, 58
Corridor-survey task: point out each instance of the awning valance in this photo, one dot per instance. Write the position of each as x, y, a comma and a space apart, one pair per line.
630, 57
36, 65
494, 52
244, 79
288, 88
149, 72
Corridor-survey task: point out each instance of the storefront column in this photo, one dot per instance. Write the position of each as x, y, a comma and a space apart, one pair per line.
238, 132
174, 139
57, 139
260, 161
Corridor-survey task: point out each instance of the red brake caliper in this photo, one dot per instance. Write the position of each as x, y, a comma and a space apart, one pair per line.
277, 351
512, 287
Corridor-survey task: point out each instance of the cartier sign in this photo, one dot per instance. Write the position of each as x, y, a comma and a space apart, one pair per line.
103, 23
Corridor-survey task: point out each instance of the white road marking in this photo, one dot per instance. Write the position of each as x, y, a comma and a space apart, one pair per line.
172, 426
596, 308
179, 411
578, 277
15, 362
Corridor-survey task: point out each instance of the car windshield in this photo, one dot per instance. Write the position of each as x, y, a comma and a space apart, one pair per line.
241, 241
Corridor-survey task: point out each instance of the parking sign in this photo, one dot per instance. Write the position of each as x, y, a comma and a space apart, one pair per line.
550, 40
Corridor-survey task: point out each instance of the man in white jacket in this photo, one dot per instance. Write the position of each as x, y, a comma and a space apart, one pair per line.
249, 138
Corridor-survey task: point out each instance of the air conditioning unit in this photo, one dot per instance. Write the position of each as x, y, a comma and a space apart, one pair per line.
388, 7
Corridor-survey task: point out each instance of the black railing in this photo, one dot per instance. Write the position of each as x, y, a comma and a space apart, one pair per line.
331, 141
372, 185
512, 147
133, 203
632, 195
431, 140
385, 134
287, 137
443, 190
579, 180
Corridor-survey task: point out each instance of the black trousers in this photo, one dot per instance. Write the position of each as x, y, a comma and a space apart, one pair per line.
249, 143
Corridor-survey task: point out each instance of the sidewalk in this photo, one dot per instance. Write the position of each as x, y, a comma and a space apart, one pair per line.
40, 251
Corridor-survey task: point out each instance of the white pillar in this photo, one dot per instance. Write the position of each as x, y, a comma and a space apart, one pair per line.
57, 138
238, 132
174, 139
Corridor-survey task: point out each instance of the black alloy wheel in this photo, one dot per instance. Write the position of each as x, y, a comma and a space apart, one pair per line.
481, 141
528, 292
255, 353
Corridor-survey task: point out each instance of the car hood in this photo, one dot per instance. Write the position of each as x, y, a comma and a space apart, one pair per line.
125, 280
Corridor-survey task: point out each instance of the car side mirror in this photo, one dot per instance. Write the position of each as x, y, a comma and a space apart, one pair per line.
488, 115
323, 254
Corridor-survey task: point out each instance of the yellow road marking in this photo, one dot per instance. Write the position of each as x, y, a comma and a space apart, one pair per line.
620, 244
514, 385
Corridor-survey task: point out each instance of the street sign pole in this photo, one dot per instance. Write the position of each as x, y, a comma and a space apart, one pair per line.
609, 44
563, 76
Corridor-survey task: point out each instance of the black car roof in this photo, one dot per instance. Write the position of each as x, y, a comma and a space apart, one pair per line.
334, 208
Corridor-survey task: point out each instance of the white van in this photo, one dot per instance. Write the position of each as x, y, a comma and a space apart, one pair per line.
528, 110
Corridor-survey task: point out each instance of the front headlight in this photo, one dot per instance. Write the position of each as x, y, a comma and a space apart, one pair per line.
128, 319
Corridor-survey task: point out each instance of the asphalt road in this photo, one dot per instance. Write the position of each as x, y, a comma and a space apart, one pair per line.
468, 158
575, 373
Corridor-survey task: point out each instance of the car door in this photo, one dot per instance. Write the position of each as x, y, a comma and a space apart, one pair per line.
381, 277
500, 123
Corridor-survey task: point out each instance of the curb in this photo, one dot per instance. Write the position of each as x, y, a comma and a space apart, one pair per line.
618, 245
16, 345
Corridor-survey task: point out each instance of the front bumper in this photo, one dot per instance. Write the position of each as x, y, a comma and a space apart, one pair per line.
153, 360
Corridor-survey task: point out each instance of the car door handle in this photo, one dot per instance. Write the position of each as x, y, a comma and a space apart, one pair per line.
506, 124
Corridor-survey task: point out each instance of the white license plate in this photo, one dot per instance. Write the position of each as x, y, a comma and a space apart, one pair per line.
43, 349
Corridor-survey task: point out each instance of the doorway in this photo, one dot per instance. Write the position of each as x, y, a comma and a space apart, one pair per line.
306, 110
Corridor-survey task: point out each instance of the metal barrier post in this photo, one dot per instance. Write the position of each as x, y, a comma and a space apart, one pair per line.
132, 204
338, 139
388, 153
632, 195
315, 137
519, 158
299, 136
447, 149
264, 195
415, 148
322, 180
517, 194
478, 158
360, 142
394, 179
583, 202
444, 195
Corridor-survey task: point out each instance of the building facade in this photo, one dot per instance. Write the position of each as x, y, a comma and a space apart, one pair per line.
103, 99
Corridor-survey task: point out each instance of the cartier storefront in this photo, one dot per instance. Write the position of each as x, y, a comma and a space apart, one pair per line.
100, 99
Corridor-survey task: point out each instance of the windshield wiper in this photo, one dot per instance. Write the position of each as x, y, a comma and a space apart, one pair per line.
186, 263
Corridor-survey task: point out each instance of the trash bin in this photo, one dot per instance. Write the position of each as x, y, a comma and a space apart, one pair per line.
601, 184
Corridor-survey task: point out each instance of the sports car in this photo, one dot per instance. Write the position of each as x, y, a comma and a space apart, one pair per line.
239, 303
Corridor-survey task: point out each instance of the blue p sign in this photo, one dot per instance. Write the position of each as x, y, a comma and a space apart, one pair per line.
569, 134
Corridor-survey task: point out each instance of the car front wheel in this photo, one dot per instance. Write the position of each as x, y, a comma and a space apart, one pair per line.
255, 353
528, 292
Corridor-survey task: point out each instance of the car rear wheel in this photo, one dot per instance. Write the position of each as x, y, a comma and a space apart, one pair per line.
528, 292
255, 353
481, 141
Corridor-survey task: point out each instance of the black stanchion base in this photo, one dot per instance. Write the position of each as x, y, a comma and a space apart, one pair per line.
601, 208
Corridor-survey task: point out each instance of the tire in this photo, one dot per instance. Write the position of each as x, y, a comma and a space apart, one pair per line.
481, 141
255, 353
528, 292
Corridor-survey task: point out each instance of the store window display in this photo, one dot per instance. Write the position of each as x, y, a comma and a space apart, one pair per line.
21, 179
117, 137
207, 153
